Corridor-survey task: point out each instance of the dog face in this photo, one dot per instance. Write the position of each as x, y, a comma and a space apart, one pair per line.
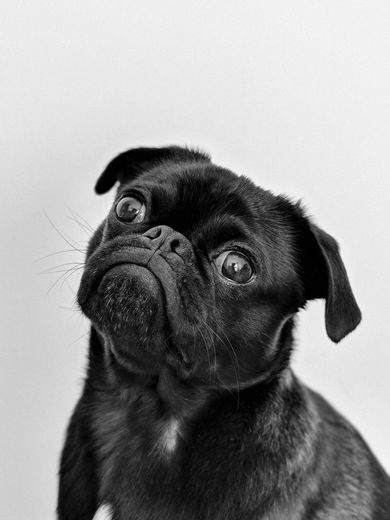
199, 270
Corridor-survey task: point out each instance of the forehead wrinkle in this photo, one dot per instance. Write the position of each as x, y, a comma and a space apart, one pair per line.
223, 228
213, 188
193, 188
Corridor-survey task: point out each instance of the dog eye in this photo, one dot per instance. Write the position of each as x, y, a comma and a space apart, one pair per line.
234, 266
130, 209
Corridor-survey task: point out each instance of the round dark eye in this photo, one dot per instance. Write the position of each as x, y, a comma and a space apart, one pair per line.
234, 266
130, 209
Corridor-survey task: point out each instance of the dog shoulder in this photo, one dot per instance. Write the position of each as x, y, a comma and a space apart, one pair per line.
351, 478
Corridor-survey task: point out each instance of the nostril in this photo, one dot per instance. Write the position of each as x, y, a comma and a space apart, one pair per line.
175, 244
164, 238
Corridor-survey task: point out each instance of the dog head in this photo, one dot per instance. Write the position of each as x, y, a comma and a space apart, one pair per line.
200, 270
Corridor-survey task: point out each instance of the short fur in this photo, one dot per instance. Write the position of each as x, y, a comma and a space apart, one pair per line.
189, 409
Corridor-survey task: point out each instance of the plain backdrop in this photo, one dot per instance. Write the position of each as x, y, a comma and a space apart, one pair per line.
295, 95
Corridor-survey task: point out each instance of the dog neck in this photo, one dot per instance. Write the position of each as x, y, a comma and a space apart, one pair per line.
162, 409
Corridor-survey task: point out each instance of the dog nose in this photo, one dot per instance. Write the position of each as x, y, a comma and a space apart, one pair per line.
166, 239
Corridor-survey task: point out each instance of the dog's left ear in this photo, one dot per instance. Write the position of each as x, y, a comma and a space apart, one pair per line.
326, 277
132, 163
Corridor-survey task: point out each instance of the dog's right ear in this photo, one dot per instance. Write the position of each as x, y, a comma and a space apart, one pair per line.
129, 165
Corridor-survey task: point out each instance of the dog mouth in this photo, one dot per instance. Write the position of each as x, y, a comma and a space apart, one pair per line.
102, 263
129, 271
131, 295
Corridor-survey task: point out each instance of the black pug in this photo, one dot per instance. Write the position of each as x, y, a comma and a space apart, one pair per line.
189, 409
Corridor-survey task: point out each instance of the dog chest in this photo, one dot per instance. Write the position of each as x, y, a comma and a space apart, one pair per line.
167, 467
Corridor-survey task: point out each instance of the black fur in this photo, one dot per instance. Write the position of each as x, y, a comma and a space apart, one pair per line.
189, 409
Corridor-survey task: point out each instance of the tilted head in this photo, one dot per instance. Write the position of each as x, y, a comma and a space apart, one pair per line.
199, 270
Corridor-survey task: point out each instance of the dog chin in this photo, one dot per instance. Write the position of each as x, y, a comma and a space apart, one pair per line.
128, 309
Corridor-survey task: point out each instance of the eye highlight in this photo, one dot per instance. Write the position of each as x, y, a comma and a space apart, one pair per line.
130, 209
234, 266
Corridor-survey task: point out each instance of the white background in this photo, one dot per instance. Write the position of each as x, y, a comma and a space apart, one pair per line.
295, 95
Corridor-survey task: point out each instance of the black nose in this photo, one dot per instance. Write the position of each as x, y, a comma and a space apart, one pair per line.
168, 240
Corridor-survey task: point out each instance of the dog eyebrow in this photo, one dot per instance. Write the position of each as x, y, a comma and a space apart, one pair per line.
224, 229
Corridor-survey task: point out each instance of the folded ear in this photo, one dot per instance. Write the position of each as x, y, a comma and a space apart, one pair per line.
326, 277
129, 165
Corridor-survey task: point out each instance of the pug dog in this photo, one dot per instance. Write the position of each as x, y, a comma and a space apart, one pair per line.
190, 410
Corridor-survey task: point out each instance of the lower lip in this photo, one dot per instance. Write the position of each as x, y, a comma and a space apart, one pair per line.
133, 271
123, 267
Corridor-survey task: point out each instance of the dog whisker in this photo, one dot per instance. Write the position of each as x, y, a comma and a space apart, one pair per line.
206, 347
230, 391
86, 224
82, 226
234, 359
69, 309
64, 276
58, 253
211, 343
80, 338
72, 245
56, 268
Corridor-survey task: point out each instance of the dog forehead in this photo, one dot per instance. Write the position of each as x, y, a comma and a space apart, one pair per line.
201, 190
